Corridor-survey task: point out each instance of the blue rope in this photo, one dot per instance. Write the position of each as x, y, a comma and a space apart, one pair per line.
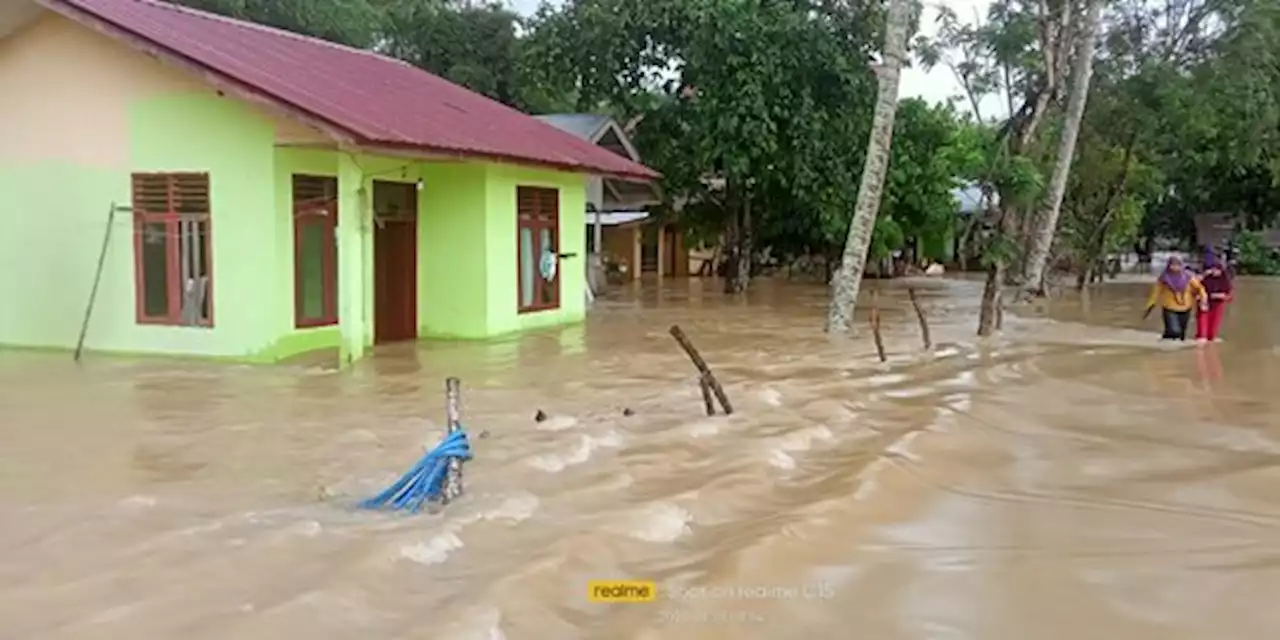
425, 481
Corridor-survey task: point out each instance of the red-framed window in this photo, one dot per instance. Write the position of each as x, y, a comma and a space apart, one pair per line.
538, 248
172, 242
315, 251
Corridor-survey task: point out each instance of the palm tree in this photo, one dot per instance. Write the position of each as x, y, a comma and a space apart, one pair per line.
848, 279
1041, 239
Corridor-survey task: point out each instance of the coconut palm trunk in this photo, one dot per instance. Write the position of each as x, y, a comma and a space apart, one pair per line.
1040, 240
848, 279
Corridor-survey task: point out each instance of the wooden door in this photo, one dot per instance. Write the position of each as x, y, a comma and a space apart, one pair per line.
395, 262
669, 251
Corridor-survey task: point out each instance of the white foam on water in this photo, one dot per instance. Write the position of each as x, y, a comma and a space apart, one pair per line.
437, 549
704, 428
1238, 439
902, 447
946, 352
580, 453
781, 460
516, 508
867, 478
885, 379
307, 528
909, 392
558, 423
802, 439
660, 522
137, 503
434, 550
781, 447
771, 397
485, 624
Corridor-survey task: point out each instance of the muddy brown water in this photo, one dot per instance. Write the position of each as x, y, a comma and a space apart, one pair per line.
1070, 478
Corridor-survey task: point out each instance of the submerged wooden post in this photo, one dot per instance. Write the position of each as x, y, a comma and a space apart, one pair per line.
706, 395
875, 326
924, 322
707, 377
453, 478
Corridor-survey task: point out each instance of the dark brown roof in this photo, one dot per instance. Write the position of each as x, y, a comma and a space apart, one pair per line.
374, 100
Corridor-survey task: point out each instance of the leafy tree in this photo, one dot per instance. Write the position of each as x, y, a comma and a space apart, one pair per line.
356, 23
1020, 53
745, 105
474, 45
1254, 256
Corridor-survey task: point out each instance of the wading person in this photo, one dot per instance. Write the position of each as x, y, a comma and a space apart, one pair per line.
1219, 290
1176, 293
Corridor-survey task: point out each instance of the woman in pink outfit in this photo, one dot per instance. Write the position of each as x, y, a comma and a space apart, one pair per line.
1218, 286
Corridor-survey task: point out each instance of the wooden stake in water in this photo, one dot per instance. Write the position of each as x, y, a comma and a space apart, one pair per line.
453, 478
703, 370
875, 325
707, 400
924, 322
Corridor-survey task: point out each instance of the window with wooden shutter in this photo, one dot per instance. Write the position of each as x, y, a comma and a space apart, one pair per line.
538, 248
172, 244
315, 251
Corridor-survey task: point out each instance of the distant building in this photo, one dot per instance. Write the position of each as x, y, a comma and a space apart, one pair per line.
1218, 230
620, 232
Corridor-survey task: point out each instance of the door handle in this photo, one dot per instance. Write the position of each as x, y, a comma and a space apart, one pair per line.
562, 256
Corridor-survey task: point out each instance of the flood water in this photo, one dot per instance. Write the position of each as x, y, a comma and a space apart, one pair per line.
1071, 478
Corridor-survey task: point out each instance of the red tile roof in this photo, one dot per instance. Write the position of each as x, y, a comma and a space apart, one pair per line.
378, 101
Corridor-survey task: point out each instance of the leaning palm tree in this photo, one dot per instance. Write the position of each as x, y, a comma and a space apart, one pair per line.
1046, 224
848, 279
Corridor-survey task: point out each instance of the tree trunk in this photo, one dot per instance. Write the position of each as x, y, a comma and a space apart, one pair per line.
1045, 225
732, 233
738, 265
992, 294
847, 281
742, 275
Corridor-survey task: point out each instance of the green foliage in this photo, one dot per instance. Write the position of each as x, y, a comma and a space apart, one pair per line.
1107, 197
351, 22
1254, 257
474, 45
1204, 105
762, 104
932, 149
741, 104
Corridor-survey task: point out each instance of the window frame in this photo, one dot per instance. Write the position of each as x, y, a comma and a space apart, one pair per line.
547, 201
328, 222
173, 248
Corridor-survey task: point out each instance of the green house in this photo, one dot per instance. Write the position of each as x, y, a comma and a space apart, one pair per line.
245, 193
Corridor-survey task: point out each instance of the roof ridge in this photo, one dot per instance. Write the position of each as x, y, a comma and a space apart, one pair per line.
208, 15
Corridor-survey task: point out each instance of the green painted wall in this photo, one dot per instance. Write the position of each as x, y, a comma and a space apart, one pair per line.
453, 253
53, 217
502, 316
467, 278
